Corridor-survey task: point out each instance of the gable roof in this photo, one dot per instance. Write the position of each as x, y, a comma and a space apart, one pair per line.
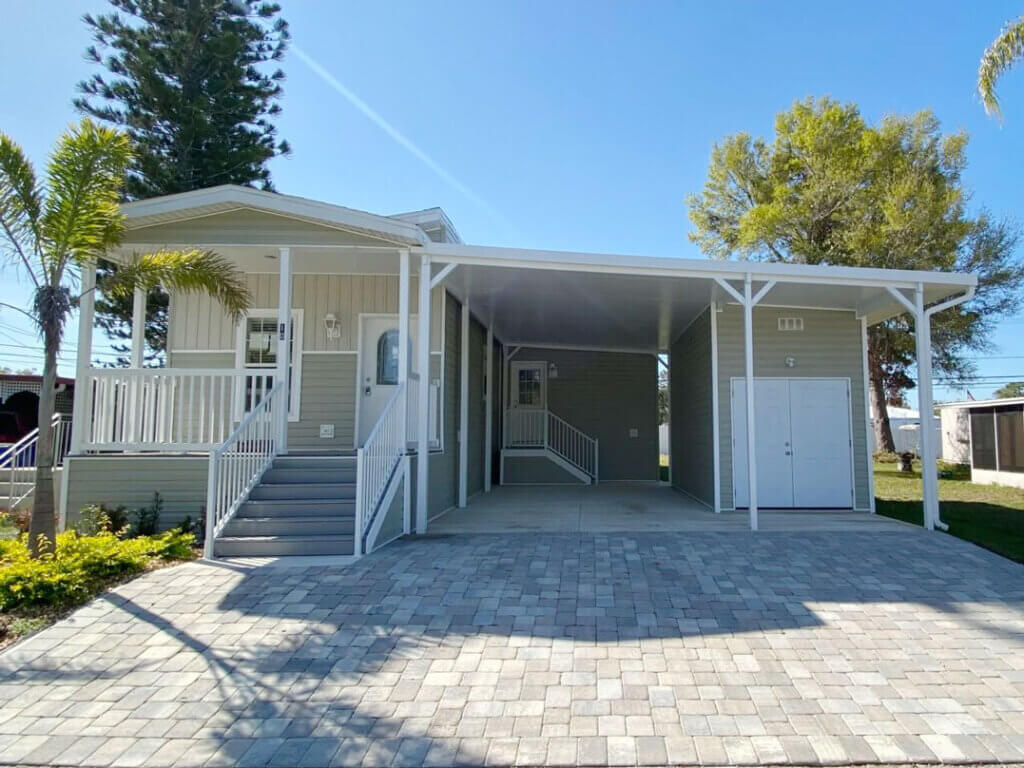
229, 197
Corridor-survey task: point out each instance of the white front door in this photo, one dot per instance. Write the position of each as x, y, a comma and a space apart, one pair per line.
803, 443
378, 375
528, 403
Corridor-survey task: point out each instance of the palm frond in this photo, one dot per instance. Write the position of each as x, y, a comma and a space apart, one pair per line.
82, 219
188, 271
1005, 51
20, 202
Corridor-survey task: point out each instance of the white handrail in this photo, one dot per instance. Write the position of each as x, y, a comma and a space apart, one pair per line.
168, 409
376, 463
20, 459
237, 465
540, 428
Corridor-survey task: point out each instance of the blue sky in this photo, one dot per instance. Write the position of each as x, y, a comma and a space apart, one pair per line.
575, 125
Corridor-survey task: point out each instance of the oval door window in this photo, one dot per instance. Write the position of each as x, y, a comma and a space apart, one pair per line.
387, 357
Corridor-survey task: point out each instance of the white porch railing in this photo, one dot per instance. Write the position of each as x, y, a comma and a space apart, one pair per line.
376, 463
541, 429
19, 460
237, 465
168, 409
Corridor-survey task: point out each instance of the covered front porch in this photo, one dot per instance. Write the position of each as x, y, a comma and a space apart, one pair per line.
627, 507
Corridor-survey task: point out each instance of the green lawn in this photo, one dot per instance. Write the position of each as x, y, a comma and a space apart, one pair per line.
990, 516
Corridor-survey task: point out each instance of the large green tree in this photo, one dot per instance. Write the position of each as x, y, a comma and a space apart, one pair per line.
51, 230
829, 188
1005, 51
196, 85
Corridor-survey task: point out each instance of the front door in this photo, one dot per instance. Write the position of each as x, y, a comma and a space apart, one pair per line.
528, 404
378, 375
774, 444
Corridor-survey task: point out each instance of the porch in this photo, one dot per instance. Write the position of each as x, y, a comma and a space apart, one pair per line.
628, 507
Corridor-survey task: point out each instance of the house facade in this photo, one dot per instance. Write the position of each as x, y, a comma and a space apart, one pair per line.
387, 373
988, 435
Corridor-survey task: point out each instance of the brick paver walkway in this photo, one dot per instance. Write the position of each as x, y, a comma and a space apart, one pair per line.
542, 649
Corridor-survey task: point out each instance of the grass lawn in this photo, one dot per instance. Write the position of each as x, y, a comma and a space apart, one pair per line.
990, 516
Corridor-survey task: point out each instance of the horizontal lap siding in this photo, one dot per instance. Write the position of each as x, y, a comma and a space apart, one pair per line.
477, 408
829, 346
692, 440
604, 395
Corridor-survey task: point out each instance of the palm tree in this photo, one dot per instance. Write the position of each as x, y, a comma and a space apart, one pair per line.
1006, 50
52, 232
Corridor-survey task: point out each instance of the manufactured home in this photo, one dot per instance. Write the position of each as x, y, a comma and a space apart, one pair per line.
388, 373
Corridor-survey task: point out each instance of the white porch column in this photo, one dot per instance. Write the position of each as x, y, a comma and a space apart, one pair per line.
423, 414
488, 405
403, 369
715, 414
464, 406
748, 372
82, 406
139, 328
284, 331
925, 405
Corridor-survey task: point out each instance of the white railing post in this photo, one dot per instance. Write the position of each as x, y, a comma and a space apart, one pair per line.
597, 461
357, 523
464, 407
212, 481
284, 339
488, 408
423, 429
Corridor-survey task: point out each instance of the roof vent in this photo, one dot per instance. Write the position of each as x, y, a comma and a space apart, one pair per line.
791, 323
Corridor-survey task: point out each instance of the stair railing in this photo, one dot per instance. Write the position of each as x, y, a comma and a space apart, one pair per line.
539, 428
19, 460
376, 464
238, 464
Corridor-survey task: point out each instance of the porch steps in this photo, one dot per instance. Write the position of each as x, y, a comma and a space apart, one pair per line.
304, 505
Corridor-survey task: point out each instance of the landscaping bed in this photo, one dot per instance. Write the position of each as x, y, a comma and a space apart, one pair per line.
990, 516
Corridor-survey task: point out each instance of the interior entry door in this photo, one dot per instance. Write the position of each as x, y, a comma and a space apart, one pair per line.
378, 375
528, 403
774, 443
804, 447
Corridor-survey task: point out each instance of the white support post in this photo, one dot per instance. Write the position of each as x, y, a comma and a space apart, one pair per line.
748, 371
925, 404
423, 414
715, 438
464, 407
139, 328
81, 419
867, 415
403, 375
284, 331
489, 408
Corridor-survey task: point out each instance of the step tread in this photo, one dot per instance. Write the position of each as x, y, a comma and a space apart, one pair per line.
342, 484
311, 537
344, 517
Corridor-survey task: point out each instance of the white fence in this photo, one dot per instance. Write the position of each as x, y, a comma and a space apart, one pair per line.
541, 429
377, 462
18, 462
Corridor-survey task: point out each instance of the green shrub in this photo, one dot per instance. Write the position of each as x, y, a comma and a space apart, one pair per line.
97, 518
886, 457
147, 519
80, 566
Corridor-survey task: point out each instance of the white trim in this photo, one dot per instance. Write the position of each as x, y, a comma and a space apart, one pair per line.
715, 415
422, 435
202, 351
514, 382
463, 403
585, 348
82, 405
138, 343
489, 408
295, 395
868, 431
438, 279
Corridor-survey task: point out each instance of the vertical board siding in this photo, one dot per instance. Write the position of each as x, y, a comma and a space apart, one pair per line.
196, 321
829, 346
691, 437
477, 408
604, 395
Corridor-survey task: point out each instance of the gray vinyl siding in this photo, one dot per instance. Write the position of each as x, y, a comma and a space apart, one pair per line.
829, 346
605, 394
477, 408
328, 396
197, 322
246, 227
691, 435
536, 470
130, 481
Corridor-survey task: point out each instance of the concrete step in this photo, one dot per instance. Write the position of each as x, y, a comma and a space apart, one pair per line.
314, 462
296, 508
300, 491
345, 474
281, 546
319, 525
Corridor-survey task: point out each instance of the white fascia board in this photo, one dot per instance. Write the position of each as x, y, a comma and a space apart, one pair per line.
360, 221
709, 270
968, 404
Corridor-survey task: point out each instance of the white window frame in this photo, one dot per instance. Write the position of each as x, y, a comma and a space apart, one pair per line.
516, 365
295, 395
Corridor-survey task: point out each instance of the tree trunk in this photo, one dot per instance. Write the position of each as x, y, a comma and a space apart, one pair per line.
43, 526
883, 430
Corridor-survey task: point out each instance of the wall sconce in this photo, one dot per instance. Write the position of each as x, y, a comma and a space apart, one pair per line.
791, 362
552, 371
332, 326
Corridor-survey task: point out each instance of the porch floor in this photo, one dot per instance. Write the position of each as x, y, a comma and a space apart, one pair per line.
633, 507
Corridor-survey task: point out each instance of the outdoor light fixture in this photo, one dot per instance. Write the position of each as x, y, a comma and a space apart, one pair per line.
791, 362
332, 326
552, 371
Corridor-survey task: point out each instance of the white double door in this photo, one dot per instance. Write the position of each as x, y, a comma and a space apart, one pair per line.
378, 371
804, 449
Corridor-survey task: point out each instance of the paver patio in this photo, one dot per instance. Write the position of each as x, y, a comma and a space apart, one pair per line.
561, 649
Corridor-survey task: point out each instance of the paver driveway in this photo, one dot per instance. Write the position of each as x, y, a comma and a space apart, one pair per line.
533, 649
